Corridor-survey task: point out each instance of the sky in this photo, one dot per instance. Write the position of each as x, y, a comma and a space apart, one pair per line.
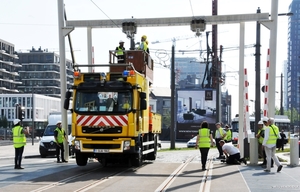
34, 23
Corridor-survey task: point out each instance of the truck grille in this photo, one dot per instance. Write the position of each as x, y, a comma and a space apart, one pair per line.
107, 130
101, 146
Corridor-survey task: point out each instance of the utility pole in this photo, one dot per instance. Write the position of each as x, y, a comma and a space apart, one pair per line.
172, 129
215, 63
281, 95
257, 75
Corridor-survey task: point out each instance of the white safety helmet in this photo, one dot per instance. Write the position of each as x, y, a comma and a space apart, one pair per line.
260, 123
58, 122
121, 41
16, 121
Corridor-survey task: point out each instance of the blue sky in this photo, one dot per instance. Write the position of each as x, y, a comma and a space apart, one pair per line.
35, 23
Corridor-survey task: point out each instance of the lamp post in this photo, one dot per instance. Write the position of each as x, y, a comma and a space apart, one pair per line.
32, 116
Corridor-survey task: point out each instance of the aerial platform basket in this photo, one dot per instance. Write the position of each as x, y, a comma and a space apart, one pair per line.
140, 60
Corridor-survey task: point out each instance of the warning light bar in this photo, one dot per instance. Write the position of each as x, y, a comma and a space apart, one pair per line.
127, 73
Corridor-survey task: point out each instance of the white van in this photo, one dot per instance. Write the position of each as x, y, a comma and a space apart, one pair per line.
47, 142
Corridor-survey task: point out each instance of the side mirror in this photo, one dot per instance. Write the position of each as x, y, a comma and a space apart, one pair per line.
67, 100
143, 95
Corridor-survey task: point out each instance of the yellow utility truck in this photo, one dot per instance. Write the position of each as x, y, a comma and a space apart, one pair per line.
111, 118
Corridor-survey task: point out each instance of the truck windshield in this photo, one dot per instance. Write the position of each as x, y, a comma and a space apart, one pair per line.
103, 102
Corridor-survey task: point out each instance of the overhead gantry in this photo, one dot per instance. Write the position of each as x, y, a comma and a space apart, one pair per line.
197, 24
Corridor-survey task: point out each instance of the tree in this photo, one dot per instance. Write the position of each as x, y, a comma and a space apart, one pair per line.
166, 120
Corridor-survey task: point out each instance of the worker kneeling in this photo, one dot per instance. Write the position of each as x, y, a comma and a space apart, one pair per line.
232, 154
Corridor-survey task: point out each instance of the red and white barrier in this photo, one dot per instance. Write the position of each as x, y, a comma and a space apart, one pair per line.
267, 86
247, 129
93, 60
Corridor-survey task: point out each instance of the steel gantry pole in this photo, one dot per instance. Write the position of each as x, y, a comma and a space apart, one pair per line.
178, 21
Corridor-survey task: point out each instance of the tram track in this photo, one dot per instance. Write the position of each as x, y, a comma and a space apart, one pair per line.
88, 186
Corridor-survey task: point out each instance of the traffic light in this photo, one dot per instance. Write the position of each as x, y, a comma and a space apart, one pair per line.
20, 111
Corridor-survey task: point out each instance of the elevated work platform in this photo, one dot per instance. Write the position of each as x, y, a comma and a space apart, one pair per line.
140, 60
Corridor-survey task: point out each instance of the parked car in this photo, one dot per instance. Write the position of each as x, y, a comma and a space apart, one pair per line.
191, 142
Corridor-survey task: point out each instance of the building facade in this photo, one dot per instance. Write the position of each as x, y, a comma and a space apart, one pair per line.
293, 59
36, 107
9, 76
40, 72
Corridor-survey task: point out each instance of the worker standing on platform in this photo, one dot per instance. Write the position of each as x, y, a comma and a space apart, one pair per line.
204, 140
269, 143
143, 46
120, 52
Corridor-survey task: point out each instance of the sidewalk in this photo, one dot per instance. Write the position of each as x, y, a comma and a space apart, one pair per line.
7, 150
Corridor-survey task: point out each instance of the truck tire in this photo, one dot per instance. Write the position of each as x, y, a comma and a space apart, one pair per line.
137, 158
103, 162
152, 156
81, 159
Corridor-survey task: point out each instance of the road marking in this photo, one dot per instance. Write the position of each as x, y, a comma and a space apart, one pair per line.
165, 185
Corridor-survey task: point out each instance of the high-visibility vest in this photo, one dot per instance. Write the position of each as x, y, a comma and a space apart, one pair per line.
60, 135
204, 139
228, 135
143, 46
273, 133
221, 131
19, 138
261, 138
119, 51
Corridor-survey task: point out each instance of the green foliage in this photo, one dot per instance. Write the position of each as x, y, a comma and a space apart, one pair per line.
166, 120
3, 122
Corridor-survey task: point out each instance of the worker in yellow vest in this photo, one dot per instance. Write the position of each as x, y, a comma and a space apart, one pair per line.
204, 140
269, 143
261, 152
220, 134
120, 52
228, 137
19, 140
60, 136
143, 46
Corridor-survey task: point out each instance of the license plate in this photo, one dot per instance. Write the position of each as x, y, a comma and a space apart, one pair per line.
100, 150
51, 149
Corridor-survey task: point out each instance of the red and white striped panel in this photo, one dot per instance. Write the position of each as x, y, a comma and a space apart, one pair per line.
93, 59
91, 120
267, 86
246, 104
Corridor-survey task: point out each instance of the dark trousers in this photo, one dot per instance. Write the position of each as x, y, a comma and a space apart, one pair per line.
60, 148
121, 58
219, 147
18, 156
204, 154
234, 159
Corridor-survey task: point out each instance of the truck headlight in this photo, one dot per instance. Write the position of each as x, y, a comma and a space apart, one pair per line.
126, 145
42, 144
77, 144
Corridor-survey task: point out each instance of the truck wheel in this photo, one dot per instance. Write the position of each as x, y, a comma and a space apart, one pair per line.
137, 159
103, 162
152, 156
81, 159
